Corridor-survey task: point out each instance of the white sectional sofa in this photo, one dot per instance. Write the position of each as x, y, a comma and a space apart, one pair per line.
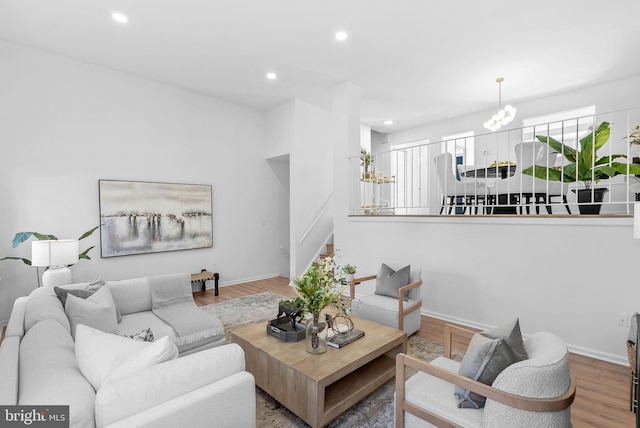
38, 366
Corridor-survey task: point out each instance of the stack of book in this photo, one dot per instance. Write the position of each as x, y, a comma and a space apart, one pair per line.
339, 340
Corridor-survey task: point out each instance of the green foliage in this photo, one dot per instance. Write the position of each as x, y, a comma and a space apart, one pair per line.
585, 165
23, 236
319, 287
365, 157
348, 269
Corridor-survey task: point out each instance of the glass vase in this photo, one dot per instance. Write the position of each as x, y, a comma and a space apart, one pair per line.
316, 331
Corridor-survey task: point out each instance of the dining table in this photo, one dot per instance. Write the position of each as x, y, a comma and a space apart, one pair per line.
500, 171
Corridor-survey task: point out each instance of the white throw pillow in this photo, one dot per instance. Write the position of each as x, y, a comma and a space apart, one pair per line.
97, 311
103, 357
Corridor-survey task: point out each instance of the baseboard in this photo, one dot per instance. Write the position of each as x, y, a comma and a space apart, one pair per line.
242, 281
455, 320
587, 352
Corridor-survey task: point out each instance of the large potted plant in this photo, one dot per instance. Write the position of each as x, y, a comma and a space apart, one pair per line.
584, 166
318, 288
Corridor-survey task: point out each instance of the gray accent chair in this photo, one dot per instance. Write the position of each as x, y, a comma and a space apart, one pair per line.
535, 392
403, 314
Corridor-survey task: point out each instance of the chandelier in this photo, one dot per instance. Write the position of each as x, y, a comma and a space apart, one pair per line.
504, 115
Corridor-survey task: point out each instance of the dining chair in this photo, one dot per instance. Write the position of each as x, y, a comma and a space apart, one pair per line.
525, 190
465, 193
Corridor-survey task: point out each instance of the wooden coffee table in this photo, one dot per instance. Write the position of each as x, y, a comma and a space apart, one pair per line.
319, 388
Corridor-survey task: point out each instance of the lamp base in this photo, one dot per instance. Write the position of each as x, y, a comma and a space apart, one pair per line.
56, 275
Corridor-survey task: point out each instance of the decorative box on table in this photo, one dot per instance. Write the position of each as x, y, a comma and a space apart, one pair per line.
283, 330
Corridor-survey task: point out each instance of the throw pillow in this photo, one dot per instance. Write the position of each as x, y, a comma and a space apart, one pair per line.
97, 311
484, 360
511, 334
389, 281
145, 335
484, 363
63, 292
103, 357
83, 293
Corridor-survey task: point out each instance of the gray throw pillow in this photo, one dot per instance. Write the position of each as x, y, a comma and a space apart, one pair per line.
486, 357
83, 294
484, 361
511, 334
63, 292
389, 281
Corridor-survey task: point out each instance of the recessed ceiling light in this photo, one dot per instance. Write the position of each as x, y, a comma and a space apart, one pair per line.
119, 17
271, 76
341, 35
388, 122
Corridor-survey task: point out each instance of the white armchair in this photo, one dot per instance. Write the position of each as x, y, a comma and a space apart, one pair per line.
535, 392
403, 313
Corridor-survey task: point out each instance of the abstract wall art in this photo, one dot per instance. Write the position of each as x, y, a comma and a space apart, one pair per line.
141, 217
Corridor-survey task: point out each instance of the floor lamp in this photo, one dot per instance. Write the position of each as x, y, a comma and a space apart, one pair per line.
56, 256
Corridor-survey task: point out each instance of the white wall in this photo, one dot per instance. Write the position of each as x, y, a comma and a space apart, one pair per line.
65, 124
568, 276
311, 183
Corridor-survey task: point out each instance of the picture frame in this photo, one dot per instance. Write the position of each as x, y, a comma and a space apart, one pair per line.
139, 217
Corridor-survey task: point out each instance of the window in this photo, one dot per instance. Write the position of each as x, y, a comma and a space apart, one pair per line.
408, 164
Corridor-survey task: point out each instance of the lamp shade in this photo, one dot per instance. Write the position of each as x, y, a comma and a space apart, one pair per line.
62, 252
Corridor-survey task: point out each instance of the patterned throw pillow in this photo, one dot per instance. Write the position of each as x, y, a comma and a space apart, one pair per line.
145, 335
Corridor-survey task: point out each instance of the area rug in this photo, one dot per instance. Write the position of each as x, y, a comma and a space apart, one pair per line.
374, 411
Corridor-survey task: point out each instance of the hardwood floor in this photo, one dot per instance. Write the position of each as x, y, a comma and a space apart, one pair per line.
602, 398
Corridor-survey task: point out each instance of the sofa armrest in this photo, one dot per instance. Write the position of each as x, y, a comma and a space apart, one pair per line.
230, 402
526, 403
15, 327
9, 360
159, 384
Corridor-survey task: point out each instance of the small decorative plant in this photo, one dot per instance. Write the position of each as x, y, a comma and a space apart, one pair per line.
318, 288
584, 164
348, 270
365, 159
23, 236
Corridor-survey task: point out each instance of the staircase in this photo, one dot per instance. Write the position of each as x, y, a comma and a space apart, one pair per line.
328, 253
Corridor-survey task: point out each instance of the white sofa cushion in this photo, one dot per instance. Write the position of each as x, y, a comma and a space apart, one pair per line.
9, 354
121, 398
132, 324
42, 305
103, 356
49, 373
131, 295
97, 311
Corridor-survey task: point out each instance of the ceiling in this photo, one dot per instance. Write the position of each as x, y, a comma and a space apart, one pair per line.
416, 61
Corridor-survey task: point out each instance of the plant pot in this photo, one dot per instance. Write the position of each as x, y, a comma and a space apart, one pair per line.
584, 196
316, 331
348, 277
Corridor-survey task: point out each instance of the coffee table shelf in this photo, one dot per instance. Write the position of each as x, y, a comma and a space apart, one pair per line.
341, 395
319, 388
